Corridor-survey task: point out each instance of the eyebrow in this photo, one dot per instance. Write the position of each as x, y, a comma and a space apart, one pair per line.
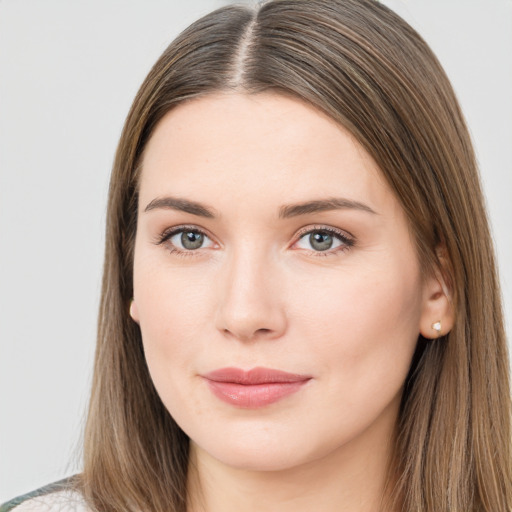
183, 205
285, 212
322, 205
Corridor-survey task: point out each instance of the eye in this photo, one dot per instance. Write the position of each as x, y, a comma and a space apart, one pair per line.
327, 240
184, 239
188, 240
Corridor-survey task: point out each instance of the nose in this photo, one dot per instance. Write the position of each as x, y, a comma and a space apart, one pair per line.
250, 305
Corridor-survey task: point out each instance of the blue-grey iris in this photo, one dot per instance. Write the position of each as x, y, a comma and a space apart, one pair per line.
191, 240
321, 241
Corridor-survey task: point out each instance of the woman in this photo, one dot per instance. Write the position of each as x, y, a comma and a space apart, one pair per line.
300, 308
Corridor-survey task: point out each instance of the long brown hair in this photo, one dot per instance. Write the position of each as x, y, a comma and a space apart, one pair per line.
365, 67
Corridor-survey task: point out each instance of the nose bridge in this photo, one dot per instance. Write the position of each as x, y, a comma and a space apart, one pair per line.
250, 304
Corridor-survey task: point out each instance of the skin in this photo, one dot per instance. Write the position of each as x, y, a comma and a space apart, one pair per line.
258, 293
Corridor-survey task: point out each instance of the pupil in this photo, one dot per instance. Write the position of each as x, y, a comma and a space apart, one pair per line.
191, 240
320, 241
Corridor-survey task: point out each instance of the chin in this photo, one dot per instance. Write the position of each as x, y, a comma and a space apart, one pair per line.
257, 460
260, 454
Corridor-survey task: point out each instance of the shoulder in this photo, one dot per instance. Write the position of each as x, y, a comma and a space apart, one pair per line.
57, 497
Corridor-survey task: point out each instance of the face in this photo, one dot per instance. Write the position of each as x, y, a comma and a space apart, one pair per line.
276, 285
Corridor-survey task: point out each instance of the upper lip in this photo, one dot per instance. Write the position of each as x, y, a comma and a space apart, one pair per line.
254, 376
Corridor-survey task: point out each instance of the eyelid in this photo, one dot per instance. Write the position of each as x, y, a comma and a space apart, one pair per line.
348, 240
322, 227
168, 233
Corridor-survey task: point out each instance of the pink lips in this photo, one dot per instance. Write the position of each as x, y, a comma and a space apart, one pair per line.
254, 388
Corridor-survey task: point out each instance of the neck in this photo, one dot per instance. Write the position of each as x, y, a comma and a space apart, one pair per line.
350, 479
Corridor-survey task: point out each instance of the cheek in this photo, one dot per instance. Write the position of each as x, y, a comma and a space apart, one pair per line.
172, 308
365, 323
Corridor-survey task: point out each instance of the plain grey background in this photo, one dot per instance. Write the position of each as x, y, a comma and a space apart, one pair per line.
68, 73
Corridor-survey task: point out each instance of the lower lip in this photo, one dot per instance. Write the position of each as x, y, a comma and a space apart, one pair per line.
255, 395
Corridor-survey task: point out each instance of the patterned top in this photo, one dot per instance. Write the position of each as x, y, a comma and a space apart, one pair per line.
56, 497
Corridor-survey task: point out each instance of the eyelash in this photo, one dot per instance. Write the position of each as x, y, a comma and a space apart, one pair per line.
347, 241
169, 233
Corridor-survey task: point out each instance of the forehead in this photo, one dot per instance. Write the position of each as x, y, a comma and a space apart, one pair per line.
267, 146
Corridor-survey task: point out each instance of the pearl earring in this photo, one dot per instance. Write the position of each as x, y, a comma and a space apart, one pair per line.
437, 327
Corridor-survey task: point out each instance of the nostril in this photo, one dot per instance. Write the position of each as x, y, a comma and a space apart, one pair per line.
245, 336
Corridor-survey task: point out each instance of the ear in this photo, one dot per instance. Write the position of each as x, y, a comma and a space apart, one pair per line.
437, 315
134, 311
